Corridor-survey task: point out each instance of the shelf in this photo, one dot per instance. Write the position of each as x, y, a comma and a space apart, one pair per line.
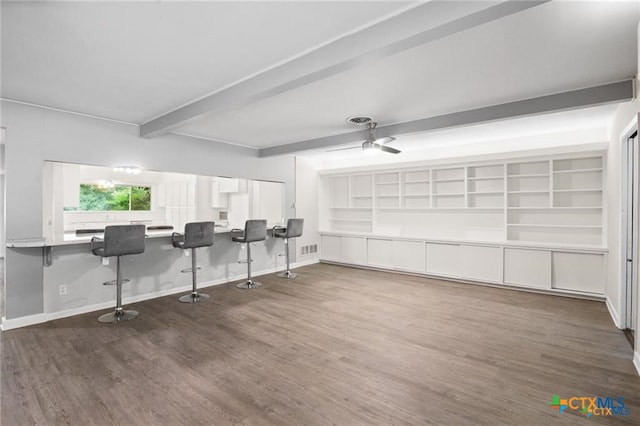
537, 225
362, 196
577, 190
415, 195
485, 192
577, 171
415, 181
350, 208
351, 220
448, 180
387, 183
527, 192
554, 208
486, 178
387, 196
453, 194
530, 175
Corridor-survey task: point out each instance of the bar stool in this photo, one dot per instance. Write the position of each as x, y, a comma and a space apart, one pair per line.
119, 240
196, 234
293, 230
254, 230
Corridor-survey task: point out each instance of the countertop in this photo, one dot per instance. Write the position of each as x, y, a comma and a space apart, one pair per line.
72, 238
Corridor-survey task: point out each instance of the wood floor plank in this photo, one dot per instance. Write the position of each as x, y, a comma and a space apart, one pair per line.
337, 345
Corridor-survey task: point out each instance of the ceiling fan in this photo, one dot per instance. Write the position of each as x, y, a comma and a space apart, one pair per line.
372, 144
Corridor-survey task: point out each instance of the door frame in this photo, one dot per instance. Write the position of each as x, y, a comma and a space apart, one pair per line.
629, 131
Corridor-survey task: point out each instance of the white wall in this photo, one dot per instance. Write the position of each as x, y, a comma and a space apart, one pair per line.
307, 208
35, 135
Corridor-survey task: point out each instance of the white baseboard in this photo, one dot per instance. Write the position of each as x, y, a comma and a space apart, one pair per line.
614, 314
636, 361
9, 324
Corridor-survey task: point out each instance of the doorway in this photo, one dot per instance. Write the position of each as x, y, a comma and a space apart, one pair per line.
630, 228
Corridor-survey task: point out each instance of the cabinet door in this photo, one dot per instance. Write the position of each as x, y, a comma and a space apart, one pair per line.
481, 263
409, 256
578, 272
352, 250
531, 268
443, 259
330, 248
380, 253
219, 200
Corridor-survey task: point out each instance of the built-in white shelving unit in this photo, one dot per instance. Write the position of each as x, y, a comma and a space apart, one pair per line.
549, 200
351, 203
536, 223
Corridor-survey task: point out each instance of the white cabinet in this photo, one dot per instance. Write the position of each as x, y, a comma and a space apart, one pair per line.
380, 253
481, 263
352, 250
344, 249
408, 256
219, 200
443, 259
396, 254
330, 248
530, 268
227, 184
583, 272
535, 268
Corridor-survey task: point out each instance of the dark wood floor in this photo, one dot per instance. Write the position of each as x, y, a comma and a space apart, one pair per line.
336, 346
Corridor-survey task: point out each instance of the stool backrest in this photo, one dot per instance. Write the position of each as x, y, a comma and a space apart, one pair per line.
255, 230
121, 240
198, 234
294, 228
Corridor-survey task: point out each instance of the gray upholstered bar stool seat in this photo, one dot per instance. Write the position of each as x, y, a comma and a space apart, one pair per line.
293, 230
254, 230
119, 240
196, 234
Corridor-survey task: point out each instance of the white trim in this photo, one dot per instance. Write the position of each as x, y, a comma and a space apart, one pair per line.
622, 242
304, 263
65, 111
10, 324
614, 314
636, 361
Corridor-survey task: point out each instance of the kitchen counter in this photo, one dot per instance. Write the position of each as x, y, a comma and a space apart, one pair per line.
72, 238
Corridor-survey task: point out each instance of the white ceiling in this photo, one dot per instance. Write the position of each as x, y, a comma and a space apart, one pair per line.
137, 61
132, 61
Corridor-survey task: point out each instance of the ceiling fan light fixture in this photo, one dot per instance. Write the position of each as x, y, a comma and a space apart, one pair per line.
369, 148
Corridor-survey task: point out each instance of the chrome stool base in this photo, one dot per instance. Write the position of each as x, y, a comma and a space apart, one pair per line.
193, 298
117, 316
248, 285
288, 274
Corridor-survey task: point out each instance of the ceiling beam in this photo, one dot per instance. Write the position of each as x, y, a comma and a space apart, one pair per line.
383, 39
593, 96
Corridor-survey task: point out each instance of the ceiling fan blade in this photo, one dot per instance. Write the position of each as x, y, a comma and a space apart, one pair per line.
386, 140
343, 149
388, 149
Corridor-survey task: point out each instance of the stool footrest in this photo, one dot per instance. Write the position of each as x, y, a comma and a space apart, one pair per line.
244, 261
184, 271
114, 282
